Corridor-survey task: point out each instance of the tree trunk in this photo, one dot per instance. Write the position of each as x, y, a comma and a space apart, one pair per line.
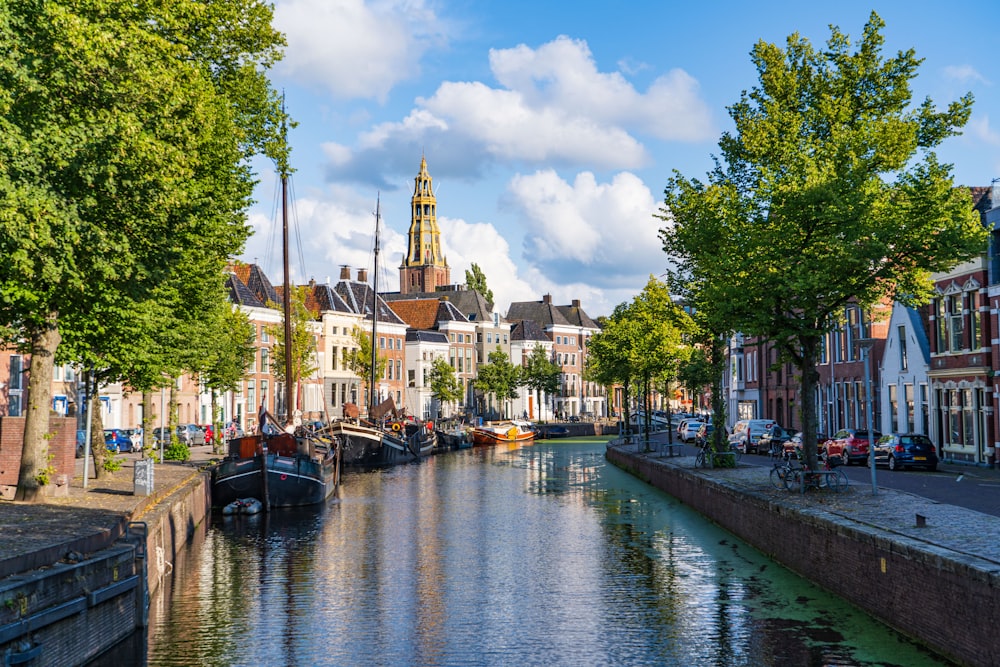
810, 378
172, 416
718, 359
212, 421
98, 449
35, 450
147, 421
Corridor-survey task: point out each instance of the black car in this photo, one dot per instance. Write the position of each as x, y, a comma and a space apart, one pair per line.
899, 451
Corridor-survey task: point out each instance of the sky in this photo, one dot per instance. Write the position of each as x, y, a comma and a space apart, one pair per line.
550, 129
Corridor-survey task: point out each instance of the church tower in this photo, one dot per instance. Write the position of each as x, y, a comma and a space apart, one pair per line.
424, 268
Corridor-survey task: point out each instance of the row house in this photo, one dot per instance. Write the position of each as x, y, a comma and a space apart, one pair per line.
932, 369
526, 336
569, 328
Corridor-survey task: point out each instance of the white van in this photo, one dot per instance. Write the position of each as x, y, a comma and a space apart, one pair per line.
746, 433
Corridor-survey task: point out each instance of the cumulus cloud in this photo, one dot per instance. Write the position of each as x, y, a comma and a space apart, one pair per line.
354, 49
600, 231
979, 129
552, 107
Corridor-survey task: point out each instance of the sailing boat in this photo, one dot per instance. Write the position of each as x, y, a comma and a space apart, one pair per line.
384, 439
280, 467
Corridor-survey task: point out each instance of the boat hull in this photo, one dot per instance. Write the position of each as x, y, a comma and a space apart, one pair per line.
496, 435
285, 477
369, 447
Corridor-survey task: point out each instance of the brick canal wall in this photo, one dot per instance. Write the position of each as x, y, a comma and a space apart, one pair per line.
945, 599
67, 613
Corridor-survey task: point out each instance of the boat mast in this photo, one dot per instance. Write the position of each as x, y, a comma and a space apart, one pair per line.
371, 389
286, 292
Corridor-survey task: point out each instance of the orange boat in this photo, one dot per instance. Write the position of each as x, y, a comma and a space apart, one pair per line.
505, 433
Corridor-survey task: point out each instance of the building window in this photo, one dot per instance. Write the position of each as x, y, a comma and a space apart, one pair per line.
399, 368
955, 329
334, 352
265, 360
975, 324
489, 337
942, 325
16, 366
908, 399
901, 334
893, 406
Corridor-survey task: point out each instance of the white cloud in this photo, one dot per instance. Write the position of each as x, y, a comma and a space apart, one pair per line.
979, 129
354, 49
603, 230
563, 76
965, 74
552, 107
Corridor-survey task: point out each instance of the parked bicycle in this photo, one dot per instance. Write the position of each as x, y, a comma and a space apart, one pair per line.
709, 458
791, 473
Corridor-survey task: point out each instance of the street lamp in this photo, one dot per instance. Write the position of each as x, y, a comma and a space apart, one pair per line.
865, 345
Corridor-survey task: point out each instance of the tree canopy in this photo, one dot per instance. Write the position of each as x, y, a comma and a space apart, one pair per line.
828, 192
475, 280
125, 136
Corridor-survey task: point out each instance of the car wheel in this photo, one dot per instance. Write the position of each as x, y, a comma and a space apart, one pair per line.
892, 463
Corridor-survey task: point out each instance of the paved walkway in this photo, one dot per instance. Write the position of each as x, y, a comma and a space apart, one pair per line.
36, 535
957, 529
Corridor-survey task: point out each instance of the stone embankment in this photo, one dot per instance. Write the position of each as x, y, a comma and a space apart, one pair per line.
77, 572
934, 577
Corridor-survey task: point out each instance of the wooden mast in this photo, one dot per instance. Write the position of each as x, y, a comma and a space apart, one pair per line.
371, 390
286, 291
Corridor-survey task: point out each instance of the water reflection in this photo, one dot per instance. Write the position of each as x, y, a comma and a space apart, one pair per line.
539, 556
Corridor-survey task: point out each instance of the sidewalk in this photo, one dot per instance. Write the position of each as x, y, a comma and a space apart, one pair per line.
956, 529
35, 535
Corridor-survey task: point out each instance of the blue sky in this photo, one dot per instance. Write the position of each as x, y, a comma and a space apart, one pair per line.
551, 128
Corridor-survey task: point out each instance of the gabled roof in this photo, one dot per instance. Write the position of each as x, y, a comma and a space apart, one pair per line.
417, 313
469, 303
240, 294
528, 330
424, 336
326, 299
256, 281
574, 314
358, 297
918, 323
542, 312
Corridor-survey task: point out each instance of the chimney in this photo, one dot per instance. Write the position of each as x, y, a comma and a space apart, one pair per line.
547, 299
345, 272
362, 275
576, 303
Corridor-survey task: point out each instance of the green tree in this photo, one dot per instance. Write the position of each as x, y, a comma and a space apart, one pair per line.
499, 377
303, 347
827, 192
125, 136
541, 374
475, 280
359, 359
445, 387
610, 359
230, 357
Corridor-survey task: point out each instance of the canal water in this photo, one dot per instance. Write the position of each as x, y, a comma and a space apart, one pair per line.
541, 555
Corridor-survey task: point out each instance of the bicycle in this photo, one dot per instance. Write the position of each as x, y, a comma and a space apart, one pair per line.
827, 477
707, 458
784, 472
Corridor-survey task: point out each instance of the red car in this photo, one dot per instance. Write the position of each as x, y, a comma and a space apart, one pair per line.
851, 445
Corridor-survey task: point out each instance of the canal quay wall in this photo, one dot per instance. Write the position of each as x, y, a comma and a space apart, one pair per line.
77, 573
935, 577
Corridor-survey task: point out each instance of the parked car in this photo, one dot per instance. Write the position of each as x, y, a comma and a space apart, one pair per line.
746, 434
688, 430
851, 445
774, 437
191, 434
682, 425
794, 445
117, 440
906, 450
158, 436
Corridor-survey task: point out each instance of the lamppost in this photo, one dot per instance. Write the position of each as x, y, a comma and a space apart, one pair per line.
865, 345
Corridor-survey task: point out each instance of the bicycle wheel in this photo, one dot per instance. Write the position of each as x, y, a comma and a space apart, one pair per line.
842, 481
699, 461
793, 479
778, 474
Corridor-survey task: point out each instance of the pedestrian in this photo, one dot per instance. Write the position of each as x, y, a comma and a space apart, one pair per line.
208, 434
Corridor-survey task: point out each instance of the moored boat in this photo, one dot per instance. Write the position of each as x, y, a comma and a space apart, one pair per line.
505, 432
